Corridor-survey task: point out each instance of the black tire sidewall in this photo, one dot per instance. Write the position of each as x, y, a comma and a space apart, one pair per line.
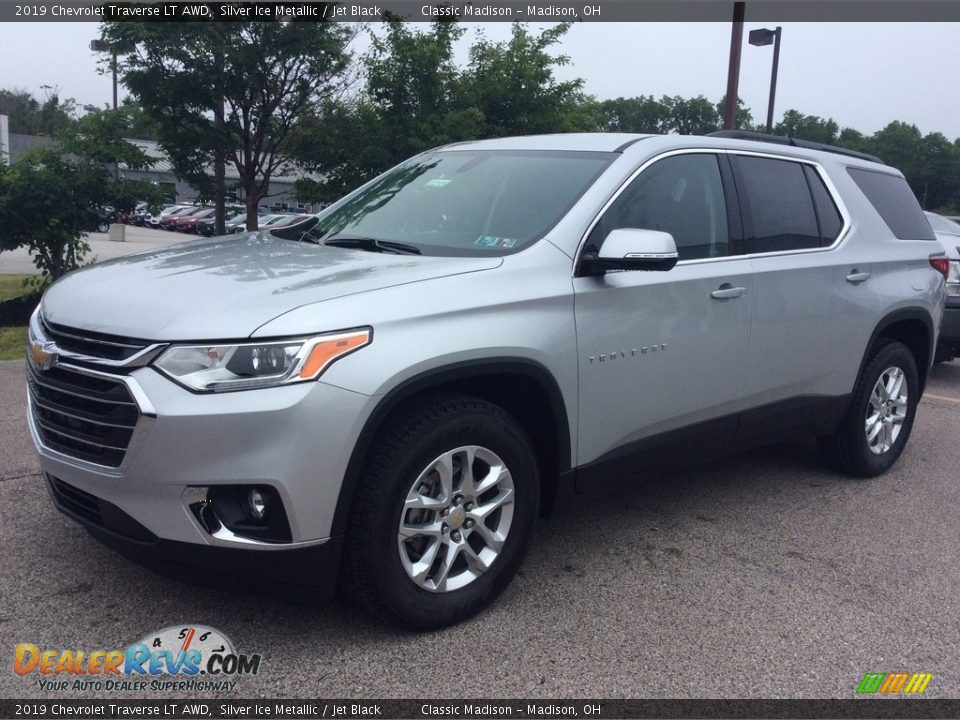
420, 608
866, 462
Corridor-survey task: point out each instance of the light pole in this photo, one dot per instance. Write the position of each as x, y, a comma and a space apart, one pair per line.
101, 46
759, 38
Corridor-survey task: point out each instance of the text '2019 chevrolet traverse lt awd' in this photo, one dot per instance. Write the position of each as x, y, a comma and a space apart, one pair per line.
388, 400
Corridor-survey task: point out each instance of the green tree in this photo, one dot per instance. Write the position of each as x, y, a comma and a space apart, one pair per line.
513, 86
642, 114
415, 97
29, 116
854, 140
693, 116
744, 116
53, 194
808, 127
264, 77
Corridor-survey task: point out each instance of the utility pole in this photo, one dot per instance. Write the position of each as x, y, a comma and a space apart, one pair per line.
733, 70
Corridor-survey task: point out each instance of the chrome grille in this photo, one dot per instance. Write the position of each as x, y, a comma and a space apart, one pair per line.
91, 344
88, 418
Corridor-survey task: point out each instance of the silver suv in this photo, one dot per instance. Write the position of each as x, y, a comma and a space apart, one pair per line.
387, 400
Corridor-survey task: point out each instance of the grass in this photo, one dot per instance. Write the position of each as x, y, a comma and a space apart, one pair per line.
13, 340
11, 286
13, 343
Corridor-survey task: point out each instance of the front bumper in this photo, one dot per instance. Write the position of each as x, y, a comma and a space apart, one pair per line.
296, 439
310, 571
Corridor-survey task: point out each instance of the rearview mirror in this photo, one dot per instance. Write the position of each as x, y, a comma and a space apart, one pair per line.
632, 249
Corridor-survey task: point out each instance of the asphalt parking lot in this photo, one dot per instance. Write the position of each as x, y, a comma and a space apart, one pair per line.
763, 576
138, 239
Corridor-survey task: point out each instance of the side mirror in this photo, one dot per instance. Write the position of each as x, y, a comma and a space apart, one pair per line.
632, 249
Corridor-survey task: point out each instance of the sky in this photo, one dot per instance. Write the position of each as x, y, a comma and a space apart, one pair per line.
863, 75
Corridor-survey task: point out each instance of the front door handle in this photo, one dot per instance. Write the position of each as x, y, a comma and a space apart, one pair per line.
727, 292
857, 277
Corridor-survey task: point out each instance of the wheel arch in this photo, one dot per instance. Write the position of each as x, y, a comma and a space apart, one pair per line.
914, 328
522, 387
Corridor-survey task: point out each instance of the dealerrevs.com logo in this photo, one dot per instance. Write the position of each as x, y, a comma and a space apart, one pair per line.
191, 658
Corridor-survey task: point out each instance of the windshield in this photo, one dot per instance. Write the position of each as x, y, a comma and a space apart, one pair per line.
942, 224
466, 202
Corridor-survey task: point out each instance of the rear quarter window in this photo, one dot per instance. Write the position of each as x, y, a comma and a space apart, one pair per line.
893, 199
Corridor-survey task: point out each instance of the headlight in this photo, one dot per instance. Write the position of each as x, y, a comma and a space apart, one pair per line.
243, 366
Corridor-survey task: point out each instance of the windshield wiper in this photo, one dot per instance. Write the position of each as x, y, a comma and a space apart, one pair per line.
373, 245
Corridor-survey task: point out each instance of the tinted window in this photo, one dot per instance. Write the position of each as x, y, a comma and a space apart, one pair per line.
894, 200
828, 216
467, 202
681, 195
778, 205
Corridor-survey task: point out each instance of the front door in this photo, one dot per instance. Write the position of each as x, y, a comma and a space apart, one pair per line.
662, 355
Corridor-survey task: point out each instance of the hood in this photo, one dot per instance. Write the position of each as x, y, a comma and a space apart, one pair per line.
226, 287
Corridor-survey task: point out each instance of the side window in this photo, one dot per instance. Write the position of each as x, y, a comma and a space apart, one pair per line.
828, 216
681, 195
779, 206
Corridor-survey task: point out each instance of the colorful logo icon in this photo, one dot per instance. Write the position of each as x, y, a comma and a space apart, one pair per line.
894, 683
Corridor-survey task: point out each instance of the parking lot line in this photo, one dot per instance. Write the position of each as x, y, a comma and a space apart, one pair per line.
941, 397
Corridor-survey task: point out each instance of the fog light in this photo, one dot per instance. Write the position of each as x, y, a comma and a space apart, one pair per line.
257, 502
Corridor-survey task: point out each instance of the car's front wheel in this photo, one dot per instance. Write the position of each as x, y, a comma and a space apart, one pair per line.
443, 513
878, 422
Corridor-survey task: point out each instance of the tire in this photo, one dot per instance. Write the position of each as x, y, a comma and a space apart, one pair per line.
380, 564
103, 226
864, 448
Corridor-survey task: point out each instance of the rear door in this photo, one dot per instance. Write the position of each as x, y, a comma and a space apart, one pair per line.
809, 291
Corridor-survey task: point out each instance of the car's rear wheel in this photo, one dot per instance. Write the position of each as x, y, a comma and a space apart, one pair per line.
877, 425
443, 513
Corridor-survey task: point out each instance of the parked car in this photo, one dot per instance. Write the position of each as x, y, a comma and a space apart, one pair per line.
171, 220
283, 221
238, 227
105, 216
188, 223
157, 220
139, 214
129, 217
948, 233
207, 226
476, 336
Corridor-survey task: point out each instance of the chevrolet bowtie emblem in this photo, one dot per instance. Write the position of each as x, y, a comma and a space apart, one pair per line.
43, 356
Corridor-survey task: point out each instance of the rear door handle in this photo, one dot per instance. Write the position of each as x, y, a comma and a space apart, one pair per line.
857, 277
727, 292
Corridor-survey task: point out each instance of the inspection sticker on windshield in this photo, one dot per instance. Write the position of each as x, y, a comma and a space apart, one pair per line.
492, 241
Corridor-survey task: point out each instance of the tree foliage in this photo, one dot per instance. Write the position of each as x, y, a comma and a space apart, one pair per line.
416, 97
29, 116
52, 196
269, 76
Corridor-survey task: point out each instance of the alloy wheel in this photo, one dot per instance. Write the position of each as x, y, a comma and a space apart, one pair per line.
456, 518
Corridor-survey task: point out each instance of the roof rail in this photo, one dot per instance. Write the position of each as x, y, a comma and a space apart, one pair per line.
795, 142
